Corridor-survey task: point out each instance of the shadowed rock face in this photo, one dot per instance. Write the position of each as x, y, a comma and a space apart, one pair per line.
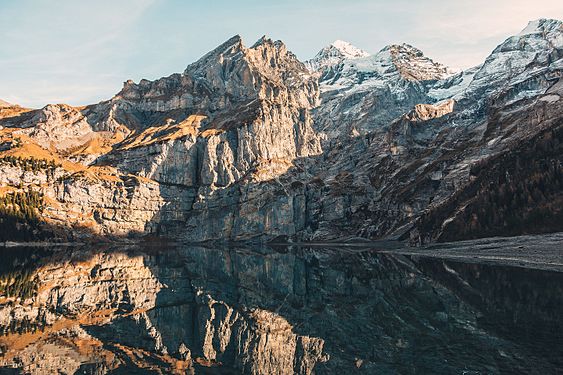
248, 143
264, 311
410, 146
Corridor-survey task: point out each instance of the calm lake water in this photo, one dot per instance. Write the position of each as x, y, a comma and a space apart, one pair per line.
122, 309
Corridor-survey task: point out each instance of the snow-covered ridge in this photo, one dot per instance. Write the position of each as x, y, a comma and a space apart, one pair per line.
387, 67
334, 54
348, 50
520, 58
516, 60
541, 25
368, 93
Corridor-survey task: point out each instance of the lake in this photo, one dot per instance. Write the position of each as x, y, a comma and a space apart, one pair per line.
480, 307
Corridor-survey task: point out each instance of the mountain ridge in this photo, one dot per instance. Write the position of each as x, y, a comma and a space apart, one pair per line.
248, 142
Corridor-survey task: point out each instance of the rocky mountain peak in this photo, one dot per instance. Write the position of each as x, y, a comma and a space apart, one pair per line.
412, 64
334, 54
262, 53
4, 104
391, 66
273, 61
403, 48
231, 73
521, 59
539, 36
541, 26
231, 47
265, 41
348, 50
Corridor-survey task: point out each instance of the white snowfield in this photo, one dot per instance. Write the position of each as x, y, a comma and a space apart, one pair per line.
334, 54
349, 50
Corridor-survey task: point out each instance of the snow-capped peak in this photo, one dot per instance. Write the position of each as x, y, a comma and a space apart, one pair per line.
521, 57
541, 26
334, 54
348, 50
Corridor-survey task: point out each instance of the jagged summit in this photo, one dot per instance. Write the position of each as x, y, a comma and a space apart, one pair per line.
265, 55
394, 63
230, 47
539, 36
348, 50
403, 48
4, 104
231, 67
542, 25
265, 40
522, 58
412, 64
334, 54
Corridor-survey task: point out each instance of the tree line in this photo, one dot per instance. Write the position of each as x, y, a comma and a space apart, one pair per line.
20, 215
30, 164
518, 192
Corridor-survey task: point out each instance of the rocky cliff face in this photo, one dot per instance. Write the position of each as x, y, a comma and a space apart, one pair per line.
404, 158
248, 142
238, 114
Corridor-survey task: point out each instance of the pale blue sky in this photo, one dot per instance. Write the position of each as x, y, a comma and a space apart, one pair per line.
81, 52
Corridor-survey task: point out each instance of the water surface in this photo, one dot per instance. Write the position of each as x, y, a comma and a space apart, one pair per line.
170, 308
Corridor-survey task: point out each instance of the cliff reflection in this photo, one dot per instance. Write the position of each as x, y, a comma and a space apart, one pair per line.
185, 309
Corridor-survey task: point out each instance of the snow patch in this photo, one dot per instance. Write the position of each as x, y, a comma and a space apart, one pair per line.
541, 26
349, 50
532, 28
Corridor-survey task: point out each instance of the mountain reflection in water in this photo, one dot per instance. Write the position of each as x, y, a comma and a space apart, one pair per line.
185, 309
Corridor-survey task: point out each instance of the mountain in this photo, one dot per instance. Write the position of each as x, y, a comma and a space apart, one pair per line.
360, 95
419, 162
171, 151
250, 143
334, 54
10, 110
